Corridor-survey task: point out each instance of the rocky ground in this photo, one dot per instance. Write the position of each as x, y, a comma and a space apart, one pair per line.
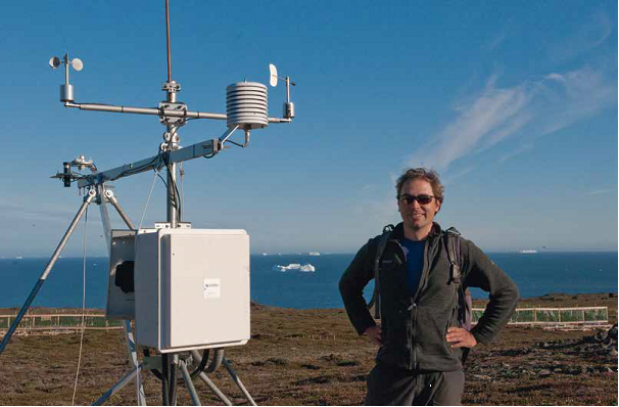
312, 357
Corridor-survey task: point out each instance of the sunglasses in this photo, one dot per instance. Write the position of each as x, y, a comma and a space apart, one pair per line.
423, 199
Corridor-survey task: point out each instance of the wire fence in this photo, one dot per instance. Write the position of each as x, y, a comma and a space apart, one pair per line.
59, 322
522, 316
554, 316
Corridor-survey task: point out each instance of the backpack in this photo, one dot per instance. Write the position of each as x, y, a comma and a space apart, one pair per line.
452, 242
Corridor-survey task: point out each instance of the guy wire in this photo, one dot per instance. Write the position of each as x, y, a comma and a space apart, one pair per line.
155, 173
79, 359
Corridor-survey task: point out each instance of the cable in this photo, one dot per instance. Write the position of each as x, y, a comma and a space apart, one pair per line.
79, 359
163, 180
155, 372
148, 200
176, 193
202, 365
181, 172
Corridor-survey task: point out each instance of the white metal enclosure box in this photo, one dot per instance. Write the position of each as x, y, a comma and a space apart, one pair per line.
191, 288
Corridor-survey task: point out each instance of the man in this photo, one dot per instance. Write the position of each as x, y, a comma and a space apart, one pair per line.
420, 338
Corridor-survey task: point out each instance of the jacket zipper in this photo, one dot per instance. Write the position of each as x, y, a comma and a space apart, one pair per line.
413, 308
413, 361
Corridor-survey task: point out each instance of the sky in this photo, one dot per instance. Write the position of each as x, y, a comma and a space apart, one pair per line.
513, 103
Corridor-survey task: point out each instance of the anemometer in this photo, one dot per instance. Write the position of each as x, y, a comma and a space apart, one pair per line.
186, 289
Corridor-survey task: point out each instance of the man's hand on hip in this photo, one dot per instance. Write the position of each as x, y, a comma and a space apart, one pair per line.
460, 338
374, 335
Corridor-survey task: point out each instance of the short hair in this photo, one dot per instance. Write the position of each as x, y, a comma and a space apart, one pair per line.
422, 173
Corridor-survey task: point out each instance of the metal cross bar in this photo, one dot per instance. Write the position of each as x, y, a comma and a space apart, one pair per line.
153, 111
197, 150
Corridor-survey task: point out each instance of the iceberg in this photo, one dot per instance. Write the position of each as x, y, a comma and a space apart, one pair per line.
305, 268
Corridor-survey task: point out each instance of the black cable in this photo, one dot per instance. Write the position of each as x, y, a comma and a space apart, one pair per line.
155, 372
163, 180
202, 365
235, 143
176, 197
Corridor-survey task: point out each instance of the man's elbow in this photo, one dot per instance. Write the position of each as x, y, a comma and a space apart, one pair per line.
513, 294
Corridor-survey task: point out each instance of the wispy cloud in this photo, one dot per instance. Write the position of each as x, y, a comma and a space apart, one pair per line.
522, 149
602, 191
593, 32
496, 41
531, 108
452, 177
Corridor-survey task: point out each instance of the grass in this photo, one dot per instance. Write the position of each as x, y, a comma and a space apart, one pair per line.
313, 357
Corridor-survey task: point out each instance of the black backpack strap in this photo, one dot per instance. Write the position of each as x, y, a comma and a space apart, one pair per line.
452, 238
465, 301
382, 243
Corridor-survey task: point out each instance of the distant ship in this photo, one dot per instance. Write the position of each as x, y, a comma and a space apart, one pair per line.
527, 251
305, 268
314, 253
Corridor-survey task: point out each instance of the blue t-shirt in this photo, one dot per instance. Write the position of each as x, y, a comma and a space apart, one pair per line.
414, 251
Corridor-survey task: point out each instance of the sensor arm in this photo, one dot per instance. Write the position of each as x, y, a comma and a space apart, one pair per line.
146, 110
204, 148
158, 112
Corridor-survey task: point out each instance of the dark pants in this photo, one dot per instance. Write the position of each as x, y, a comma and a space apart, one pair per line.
389, 386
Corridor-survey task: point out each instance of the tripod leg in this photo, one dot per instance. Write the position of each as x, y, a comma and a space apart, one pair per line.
105, 217
118, 386
189, 384
238, 382
133, 360
215, 389
91, 195
110, 196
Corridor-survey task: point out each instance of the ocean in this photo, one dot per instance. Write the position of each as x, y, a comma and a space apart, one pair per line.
535, 274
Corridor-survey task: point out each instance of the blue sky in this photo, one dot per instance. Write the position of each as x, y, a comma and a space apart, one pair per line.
514, 103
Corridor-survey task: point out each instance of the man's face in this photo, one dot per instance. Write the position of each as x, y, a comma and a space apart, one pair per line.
417, 216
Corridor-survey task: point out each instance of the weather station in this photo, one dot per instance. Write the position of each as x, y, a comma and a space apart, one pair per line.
161, 279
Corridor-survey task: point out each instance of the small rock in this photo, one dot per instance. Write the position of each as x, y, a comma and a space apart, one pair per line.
612, 295
277, 361
310, 367
544, 373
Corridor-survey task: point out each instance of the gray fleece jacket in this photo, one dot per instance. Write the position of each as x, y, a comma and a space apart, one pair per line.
414, 327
